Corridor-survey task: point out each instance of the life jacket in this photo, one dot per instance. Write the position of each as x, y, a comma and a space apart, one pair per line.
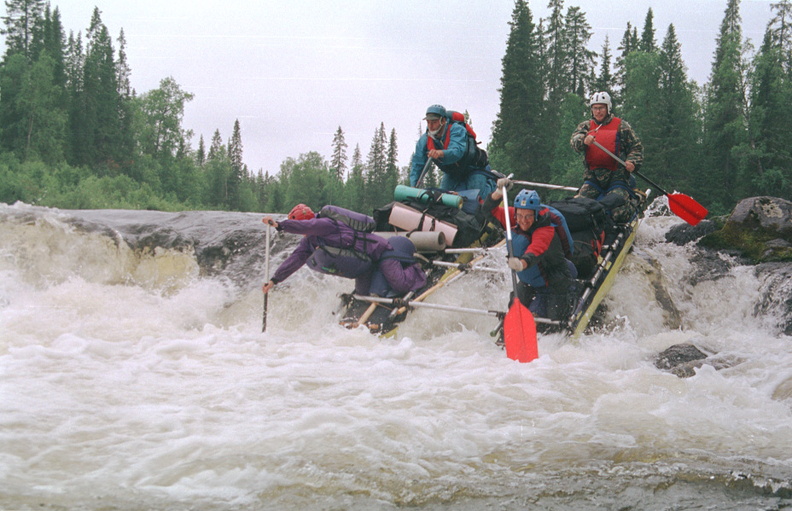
474, 156
550, 264
558, 221
608, 136
533, 275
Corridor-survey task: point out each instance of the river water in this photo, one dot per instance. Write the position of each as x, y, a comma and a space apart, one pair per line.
134, 375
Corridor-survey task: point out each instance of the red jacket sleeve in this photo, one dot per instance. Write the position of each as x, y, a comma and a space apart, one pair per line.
540, 240
500, 216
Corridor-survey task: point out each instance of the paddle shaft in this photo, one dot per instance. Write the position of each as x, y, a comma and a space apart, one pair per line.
634, 171
509, 239
681, 205
437, 306
465, 267
545, 185
267, 271
451, 308
423, 173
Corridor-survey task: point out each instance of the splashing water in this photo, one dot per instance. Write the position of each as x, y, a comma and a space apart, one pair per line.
134, 376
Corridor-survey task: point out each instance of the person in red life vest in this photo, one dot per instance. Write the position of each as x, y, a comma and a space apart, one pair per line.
546, 276
332, 247
603, 175
455, 151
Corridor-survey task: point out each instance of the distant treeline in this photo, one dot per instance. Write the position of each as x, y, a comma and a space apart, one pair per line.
74, 134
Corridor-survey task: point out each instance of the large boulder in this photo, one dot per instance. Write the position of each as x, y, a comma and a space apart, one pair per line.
768, 213
759, 228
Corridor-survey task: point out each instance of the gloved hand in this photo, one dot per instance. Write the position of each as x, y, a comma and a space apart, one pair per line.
504, 181
516, 264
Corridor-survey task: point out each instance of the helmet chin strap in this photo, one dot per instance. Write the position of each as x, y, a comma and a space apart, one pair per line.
438, 130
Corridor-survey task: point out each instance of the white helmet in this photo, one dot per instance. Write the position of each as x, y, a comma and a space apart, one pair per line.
601, 98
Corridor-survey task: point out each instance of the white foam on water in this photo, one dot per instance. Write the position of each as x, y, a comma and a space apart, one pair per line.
127, 393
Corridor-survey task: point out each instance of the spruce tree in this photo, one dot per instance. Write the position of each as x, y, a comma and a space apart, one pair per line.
200, 154
391, 164
648, 42
724, 116
354, 190
23, 22
629, 44
54, 44
677, 145
767, 155
338, 160
376, 170
237, 175
581, 59
216, 171
97, 143
604, 80
557, 53
521, 141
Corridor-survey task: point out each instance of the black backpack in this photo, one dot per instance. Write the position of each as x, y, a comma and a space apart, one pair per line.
587, 220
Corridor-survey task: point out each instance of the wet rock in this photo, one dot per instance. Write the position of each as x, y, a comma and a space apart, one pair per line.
681, 360
759, 228
683, 234
776, 292
660, 285
710, 266
769, 213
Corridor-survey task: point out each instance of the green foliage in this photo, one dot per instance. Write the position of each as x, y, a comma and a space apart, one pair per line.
74, 135
521, 139
725, 108
750, 242
567, 165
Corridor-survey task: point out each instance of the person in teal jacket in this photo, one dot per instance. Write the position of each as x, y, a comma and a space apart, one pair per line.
455, 152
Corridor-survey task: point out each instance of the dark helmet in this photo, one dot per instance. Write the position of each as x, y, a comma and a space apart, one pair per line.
301, 212
436, 112
528, 199
403, 248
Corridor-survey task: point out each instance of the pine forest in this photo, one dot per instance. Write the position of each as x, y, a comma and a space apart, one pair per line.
75, 135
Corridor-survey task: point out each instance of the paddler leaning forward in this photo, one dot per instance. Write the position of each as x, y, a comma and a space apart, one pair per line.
379, 266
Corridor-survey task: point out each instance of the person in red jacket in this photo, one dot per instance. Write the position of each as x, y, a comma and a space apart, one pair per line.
545, 274
604, 176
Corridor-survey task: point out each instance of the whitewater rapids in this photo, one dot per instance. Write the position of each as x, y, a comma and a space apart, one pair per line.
134, 375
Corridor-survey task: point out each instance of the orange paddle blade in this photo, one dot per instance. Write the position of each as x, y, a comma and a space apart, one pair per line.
519, 333
686, 208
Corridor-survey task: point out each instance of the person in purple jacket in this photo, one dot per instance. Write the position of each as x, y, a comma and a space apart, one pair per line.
398, 271
332, 247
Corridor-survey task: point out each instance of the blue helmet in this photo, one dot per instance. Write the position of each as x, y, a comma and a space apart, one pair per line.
436, 112
528, 199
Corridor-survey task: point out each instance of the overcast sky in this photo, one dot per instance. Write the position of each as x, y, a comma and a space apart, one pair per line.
293, 71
